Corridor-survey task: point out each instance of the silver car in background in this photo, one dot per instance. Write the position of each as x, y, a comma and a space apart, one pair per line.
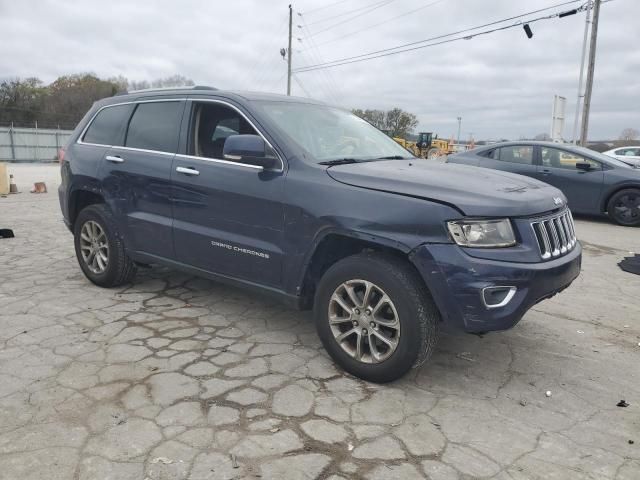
629, 155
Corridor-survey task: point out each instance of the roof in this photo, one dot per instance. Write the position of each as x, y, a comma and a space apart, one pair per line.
209, 91
566, 146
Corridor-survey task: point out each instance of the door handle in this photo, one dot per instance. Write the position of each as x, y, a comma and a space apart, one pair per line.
545, 171
114, 159
187, 170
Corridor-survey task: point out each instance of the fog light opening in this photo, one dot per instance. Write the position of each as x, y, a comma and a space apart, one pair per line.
497, 297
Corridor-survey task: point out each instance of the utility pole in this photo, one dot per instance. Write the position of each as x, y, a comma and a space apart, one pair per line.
590, 69
289, 51
580, 78
459, 124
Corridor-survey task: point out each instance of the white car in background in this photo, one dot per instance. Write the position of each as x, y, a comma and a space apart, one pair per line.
628, 155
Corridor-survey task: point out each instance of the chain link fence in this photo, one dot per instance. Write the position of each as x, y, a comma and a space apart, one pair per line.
24, 145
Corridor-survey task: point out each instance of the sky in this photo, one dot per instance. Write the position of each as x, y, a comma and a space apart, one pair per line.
501, 84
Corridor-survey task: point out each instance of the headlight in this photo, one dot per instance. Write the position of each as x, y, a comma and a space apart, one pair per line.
482, 233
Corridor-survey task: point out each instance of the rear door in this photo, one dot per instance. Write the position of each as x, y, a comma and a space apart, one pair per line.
228, 216
510, 158
582, 188
137, 176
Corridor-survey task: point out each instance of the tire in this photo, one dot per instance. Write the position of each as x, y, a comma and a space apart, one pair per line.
624, 207
410, 302
118, 268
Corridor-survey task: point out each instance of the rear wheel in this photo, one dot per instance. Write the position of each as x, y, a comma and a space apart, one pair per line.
100, 249
624, 207
375, 317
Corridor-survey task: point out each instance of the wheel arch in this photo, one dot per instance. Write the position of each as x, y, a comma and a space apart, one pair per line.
334, 246
611, 192
80, 199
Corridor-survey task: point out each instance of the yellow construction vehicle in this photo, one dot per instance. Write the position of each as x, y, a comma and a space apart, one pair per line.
427, 146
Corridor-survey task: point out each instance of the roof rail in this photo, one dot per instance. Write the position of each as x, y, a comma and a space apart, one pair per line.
161, 89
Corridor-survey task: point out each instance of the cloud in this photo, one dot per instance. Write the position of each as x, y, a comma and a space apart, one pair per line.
501, 84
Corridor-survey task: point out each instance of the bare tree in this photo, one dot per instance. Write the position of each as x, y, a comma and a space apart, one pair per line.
396, 122
545, 137
629, 134
172, 81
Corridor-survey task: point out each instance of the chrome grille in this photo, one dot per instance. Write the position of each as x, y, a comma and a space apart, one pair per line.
556, 235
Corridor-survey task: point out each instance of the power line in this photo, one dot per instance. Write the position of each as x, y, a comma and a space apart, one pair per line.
456, 33
331, 85
380, 23
297, 80
402, 48
365, 7
324, 7
371, 8
259, 71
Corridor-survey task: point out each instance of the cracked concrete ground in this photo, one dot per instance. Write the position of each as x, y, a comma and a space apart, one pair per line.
175, 377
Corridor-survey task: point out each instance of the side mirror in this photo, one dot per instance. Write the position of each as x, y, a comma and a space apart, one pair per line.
249, 149
585, 166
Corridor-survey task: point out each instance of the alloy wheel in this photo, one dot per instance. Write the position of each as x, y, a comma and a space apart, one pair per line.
364, 321
94, 246
627, 207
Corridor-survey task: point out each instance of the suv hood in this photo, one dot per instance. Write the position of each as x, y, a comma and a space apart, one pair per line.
473, 190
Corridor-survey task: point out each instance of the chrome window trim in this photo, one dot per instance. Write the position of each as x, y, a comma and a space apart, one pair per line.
224, 162
135, 149
192, 157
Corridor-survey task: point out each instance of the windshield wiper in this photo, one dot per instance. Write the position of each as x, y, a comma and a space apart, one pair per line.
393, 157
340, 161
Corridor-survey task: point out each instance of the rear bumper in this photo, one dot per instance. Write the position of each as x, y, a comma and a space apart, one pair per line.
456, 281
64, 207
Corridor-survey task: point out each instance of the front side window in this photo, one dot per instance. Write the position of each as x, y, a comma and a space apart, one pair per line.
211, 125
556, 158
328, 133
108, 125
522, 154
155, 126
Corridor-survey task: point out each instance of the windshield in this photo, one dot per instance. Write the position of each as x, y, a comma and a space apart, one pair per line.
328, 133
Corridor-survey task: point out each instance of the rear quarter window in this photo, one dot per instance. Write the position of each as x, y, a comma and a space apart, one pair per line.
107, 127
488, 153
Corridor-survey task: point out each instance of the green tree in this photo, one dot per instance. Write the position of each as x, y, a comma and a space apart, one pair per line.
21, 101
70, 96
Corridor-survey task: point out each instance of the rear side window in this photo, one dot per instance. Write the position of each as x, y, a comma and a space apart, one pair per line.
154, 126
108, 126
522, 154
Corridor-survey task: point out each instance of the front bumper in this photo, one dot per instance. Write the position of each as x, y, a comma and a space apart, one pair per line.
456, 281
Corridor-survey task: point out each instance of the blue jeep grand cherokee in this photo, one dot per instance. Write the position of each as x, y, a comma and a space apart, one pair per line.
315, 206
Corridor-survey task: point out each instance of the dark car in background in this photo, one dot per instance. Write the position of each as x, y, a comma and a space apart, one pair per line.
594, 184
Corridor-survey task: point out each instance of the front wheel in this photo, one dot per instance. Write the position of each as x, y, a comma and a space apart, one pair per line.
375, 317
433, 153
624, 207
100, 249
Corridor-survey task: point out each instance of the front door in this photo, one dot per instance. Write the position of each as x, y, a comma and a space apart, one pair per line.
137, 176
228, 216
582, 188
